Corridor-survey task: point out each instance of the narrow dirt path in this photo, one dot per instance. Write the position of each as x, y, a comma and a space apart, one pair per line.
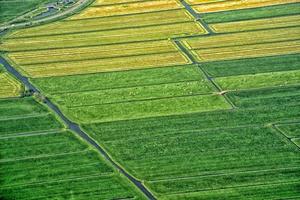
76, 128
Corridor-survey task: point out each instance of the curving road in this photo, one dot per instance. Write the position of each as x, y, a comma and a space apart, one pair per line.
76, 7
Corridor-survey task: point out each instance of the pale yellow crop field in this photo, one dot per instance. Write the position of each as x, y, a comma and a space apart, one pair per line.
104, 65
194, 2
131, 8
9, 87
243, 38
103, 37
237, 4
248, 51
107, 2
92, 52
101, 24
247, 25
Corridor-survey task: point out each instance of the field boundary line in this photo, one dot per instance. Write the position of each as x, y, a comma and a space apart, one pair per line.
225, 174
249, 44
43, 156
144, 100
275, 127
109, 174
232, 187
130, 14
32, 134
195, 131
23, 117
119, 88
209, 78
104, 58
96, 30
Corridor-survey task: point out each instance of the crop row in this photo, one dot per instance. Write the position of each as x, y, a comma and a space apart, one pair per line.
263, 80
243, 38
289, 95
290, 130
125, 9
108, 23
111, 2
132, 94
40, 160
237, 5
214, 152
208, 157
9, 86
258, 24
253, 65
252, 13
92, 52
12, 108
146, 108
126, 79
248, 51
103, 37
104, 65
223, 119
273, 191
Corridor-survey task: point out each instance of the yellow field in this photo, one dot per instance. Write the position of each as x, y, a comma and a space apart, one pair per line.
247, 25
98, 24
235, 39
106, 2
248, 51
131, 8
194, 2
104, 65
92, 52
103, 37
237, 4
9, 87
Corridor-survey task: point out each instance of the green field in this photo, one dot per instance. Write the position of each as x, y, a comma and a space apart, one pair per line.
194, 105
12, 9
40, 159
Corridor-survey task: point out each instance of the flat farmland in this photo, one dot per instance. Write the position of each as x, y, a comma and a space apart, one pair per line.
130, 8
107, 23
40, 158
92, 52
252, 65
9, 86
218, 6
252, 13
272, 79
104, 65
194, 99
258, 24
103, 37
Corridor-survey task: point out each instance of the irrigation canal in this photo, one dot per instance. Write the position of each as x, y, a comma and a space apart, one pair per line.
75, 128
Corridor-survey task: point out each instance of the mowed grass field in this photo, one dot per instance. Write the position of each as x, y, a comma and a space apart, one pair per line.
191, 113
40, 159
10, 87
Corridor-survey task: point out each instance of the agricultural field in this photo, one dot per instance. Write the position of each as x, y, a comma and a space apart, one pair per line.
40, 159
10, 87
193, 99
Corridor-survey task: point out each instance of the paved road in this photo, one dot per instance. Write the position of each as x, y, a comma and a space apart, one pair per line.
75, 128
77, 6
